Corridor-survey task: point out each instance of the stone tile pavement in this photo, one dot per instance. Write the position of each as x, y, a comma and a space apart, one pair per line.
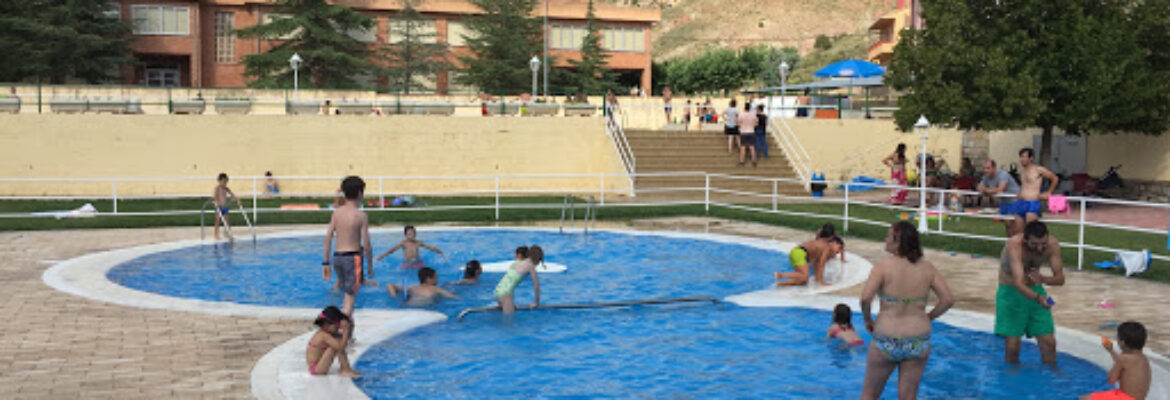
56, 345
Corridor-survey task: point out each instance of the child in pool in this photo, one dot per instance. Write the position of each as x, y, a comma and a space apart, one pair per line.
827, 231
329, 342
409, 246
842, 327
1131, 368
426, 293
222, 197
515, 274
471, 273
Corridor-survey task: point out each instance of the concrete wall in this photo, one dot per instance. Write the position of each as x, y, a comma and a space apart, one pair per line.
843, 149
199, 147
1142, 157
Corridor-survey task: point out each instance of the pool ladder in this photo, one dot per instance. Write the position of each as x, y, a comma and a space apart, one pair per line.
569, 207
222, 219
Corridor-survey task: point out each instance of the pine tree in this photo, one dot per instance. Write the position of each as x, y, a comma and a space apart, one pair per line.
504, 38
590, 73
319, 32
59, 40
412, 53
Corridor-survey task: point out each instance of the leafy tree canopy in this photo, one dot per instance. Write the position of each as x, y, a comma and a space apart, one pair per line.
502, 42
322, 34
59, 40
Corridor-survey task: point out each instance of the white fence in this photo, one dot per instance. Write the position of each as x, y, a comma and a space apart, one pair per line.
709, 190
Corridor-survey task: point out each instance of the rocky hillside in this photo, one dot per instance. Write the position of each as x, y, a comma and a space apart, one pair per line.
690, 25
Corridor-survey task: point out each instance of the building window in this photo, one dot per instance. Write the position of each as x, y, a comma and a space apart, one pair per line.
162, 77
225, 37
457, 32
566, 37
161, 20
425, 30
623, 39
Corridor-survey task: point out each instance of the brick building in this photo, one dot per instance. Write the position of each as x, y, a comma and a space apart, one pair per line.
189, 43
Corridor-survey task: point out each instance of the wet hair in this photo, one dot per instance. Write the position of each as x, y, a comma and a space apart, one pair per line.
222, 177
843, 316
1028, 150
747, 106
330, 315
353, 187
425, 273
760, 108
408, 228
837, 240
826, 231
472, 269
535, 253
1035, 229
901, 151
732, 103
522, 251
907, 236
267, 173
1132, 334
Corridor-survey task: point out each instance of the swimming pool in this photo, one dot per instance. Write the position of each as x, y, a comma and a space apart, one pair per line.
675, 351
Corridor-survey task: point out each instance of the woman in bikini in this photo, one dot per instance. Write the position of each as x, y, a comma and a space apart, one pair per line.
897, 163
329, 342
901, 334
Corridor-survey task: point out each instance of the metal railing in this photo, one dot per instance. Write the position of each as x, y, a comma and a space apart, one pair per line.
617, 134
794, 151
710, 190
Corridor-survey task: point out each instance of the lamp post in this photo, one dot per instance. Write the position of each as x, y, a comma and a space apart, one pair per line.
922, 126
783, 84
535, 64
295, 63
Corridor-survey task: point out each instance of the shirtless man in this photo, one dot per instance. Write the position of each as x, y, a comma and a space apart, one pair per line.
819, 250
426, 293
352, 227
409, 248
1030, 202
1022, 306
667, 95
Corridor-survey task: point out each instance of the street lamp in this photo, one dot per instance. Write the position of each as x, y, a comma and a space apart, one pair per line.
783, 84
535, 64
295, 63
922, 126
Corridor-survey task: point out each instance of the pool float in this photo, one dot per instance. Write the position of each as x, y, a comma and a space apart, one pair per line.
502, 266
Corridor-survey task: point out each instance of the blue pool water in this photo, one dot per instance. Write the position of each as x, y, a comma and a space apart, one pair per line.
650, 352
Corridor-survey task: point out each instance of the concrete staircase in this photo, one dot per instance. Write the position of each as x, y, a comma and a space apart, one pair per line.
704, 151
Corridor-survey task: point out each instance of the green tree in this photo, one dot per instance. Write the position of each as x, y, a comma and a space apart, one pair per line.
414, 52
59, 40
503, 39
591, 75
321, 33
1082, 66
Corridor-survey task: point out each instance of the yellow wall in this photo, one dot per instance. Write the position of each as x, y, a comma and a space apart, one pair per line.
843, 149
1142, 157
199, 147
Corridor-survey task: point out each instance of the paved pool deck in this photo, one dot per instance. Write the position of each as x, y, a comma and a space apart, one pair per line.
58, 345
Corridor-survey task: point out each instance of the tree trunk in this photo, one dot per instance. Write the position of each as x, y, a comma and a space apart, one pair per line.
1045, 151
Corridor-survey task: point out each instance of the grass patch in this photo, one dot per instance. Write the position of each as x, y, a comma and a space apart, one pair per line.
1159, 270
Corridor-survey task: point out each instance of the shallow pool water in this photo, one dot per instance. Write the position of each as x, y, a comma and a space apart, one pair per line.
602, 266
688, 352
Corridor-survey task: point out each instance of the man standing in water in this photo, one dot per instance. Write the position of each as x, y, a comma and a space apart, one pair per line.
1022, 306
1030, 202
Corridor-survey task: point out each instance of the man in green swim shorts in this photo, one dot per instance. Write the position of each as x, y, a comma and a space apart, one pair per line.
1021, 303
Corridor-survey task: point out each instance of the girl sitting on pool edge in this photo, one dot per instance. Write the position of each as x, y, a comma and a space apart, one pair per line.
515, 275
329, 342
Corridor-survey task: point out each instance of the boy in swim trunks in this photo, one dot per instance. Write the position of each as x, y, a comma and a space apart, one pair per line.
222, 197
1021, 303
352, 227
1131, 367
426, 293
1030, 202
820, 251
409, 248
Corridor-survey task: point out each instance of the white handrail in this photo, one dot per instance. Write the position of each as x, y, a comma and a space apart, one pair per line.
617, 135
794, 151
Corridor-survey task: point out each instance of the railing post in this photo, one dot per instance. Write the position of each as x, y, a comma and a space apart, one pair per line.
845, 219
707, 192
171, 102
497, 197
115, 195
602, 175
1081, 237
774, 184
255, 201
942, 198
381, 192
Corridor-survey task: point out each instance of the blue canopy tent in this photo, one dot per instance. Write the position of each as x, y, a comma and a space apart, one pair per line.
852, 69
